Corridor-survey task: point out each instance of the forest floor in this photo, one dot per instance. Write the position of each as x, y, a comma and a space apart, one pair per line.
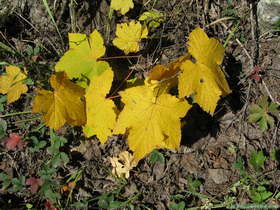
224, 161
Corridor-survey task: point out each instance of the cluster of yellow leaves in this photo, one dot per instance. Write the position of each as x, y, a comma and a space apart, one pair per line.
12, 83
151, 115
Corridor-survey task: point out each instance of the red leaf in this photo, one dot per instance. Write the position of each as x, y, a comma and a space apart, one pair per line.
255, 75
34, 183
12, 141
48, 205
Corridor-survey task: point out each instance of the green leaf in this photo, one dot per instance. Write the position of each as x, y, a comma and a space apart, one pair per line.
274, 153
177, 206
3, 99
257, 160
260, 113
18, 183
260, 194
156, 156
3, 128
6, 180
115, 204
80, 205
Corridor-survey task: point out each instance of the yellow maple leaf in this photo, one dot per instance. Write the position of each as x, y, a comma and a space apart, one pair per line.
101, 116
123, 5
204, 77
163, 78
151, 122
62, 105
81, 58
12, 83
129, 36
123, 164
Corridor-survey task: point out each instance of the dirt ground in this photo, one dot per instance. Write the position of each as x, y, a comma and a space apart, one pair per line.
211, 146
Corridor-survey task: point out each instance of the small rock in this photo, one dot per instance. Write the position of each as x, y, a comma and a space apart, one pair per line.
219, 176
268, 13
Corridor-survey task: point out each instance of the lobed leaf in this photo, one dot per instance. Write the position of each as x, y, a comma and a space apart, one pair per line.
101, 116
203, 77
123, 5
150, 121
12, 83
81, 58
62, 105
129, 36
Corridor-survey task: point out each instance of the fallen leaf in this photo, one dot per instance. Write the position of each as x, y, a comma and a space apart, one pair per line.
34, 183
203, 77
101, 116
123, 5
152, 18
48, 205
163, 78
12, 83
62, 105
13, 141
123, 164
255, 75
81, 59
88, 148
129, 36
151, 121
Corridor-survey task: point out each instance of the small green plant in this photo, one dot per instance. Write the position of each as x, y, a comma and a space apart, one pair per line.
37, 145
177, 206
3, 128
17, 183
262, 112
3, 100
254, 184
276, 25
259, 193
257, 160
156, 156
30, 51
50, 186
58, 157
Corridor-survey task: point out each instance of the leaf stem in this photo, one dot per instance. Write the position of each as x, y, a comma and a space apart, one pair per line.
15, 113
231, 34
118, 57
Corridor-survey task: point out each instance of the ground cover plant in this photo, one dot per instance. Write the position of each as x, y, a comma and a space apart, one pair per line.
138, 105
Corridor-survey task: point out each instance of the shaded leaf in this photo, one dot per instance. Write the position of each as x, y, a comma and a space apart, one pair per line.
63, 105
